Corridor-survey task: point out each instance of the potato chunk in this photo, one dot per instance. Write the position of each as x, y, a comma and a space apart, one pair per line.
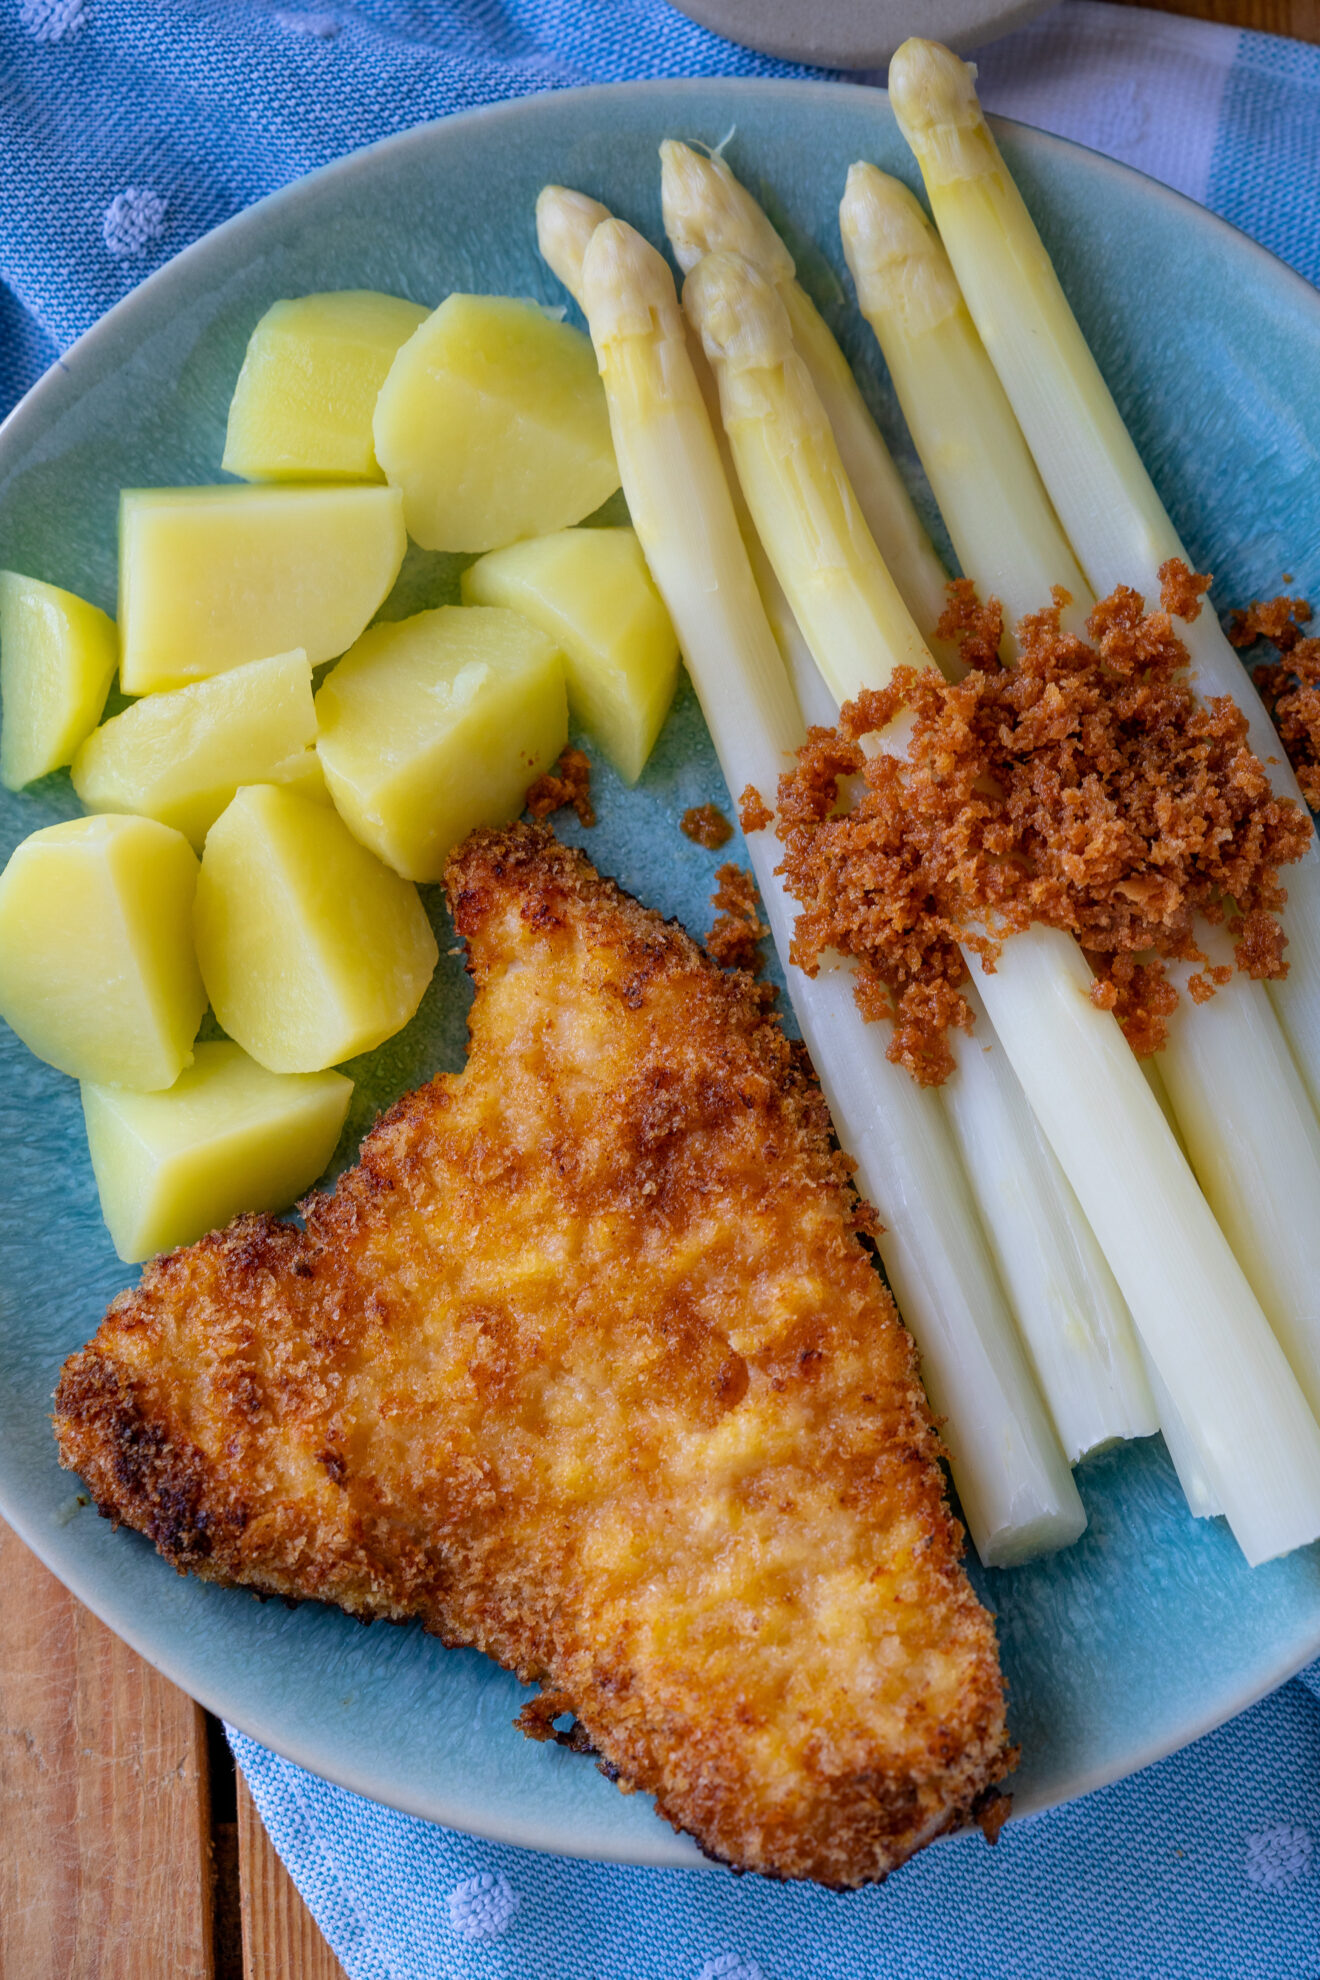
58, 656
181, 756
436, 724
211, 577
303, 404
590, 591
493, 423
97, 970
311, 950
227, 1136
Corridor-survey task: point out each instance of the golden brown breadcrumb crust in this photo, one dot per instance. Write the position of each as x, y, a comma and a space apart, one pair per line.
1085, 788
585, 1365
565, 788
754, 814
1290, 685
737, 931
707, 826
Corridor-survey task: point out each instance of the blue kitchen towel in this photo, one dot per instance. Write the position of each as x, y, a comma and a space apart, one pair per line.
127, 128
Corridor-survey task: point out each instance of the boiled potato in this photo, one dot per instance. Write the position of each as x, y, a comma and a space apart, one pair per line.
438, 723
590, 591
302, 774
492, 421
227, 1136
311, 950
97, 970
211, 577
304, 401
58, 656
181, 756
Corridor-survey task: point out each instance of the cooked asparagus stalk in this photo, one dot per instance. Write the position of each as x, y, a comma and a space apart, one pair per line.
565, 222
1006, 534
1016, 1491
1076, 1327
1200, 1321
1096, 1388
1246, 1123
706, 210
1106, 501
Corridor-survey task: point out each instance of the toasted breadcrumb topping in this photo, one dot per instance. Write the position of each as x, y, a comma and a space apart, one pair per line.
1181, 590
1085, 788
977, 628
566, 787
735, 939
1290, 685
754, 814
706, 824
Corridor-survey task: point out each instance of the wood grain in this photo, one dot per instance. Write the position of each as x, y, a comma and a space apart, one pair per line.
281, 1940
105, 1868
1300, 18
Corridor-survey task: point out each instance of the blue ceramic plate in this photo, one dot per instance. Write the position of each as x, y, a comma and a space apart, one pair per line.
1150, 1630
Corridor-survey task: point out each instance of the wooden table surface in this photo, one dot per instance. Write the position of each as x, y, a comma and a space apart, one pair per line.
129, 1848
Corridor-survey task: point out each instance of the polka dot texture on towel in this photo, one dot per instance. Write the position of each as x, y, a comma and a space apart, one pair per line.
482, 1907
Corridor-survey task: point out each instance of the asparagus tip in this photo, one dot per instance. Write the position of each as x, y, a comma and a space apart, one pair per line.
708, 211
929, 86
627, 288
565, 222
736, 312
882, 222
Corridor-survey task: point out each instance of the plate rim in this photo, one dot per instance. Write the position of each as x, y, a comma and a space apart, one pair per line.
669, 1849
786, 43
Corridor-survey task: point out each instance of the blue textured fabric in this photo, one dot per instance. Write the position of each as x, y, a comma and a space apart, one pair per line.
1265, 174
94, 193
1199, 1869
129, 127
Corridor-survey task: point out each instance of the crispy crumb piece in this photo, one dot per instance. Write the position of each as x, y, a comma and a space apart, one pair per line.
1290, 685
1085, 789
990, 1814
976, 628
1181, 590
866, 1219
1279, 620
707, 825
735, 939
567, 786
754, 814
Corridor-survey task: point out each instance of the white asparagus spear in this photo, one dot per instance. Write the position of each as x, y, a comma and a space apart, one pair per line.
1007, 537
1247, 1125
1017, 1494
1106, 501
1202, 1501
565, 222
706, 210
1204, 1329
1077, 1329
1255, 1146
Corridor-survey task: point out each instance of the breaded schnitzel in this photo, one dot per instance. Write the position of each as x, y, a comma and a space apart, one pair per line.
585, 1365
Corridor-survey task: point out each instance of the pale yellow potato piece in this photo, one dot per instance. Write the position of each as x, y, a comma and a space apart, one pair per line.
493, 423
304, 401
228, 1136
97, 970
181, 756
436, 724
590, 591
302, 774
58, 656
311, 950
212, 577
